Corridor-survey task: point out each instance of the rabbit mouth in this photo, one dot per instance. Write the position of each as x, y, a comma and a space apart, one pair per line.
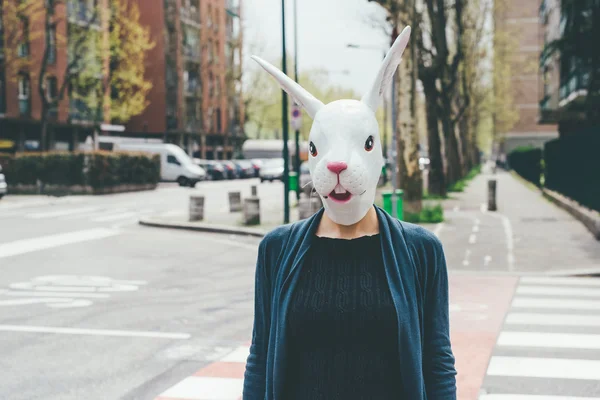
340, 195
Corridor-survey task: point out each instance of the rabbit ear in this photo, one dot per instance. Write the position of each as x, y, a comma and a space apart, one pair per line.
298, 93
386, 71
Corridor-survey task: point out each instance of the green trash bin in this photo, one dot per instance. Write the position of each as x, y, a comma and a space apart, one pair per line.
387, 203
293, 181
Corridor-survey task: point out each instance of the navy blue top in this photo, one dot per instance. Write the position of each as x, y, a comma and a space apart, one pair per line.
416, 272
342, 325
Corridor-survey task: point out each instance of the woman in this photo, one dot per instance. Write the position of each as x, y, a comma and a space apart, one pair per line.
350, 303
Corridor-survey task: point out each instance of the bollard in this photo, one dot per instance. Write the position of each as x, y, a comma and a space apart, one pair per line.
492, 195
196, 208
235, 201
251, 212
254, 189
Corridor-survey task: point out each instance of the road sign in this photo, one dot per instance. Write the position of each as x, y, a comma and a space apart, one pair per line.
296, 118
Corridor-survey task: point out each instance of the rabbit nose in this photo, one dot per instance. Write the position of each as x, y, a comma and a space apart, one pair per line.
336, 166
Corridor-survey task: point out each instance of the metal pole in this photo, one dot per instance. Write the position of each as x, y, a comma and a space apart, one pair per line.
297, 159
284, 122
393, 149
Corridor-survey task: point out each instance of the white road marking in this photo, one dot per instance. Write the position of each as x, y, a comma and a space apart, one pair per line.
60, 213
475, 228
17, 293
115, 217
438, 229
552, 319
466, 260
93, 332
204, 388
561, 304
239, 355
549, 340
22, 302
531, 397
472, 238
508, 234
559, 291
541, 280
556, 368
46, 242
487, 260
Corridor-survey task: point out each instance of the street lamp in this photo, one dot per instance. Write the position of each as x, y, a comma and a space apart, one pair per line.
385, 104
284, 122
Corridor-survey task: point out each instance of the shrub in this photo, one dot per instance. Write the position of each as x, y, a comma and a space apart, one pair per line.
527, 162
428, 215
97, 169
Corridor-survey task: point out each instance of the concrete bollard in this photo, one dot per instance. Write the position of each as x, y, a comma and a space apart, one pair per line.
196, 208
254, 189
251, 212
235, 201
492, 195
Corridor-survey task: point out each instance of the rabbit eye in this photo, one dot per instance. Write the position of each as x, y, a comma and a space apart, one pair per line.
370, 143
313, 149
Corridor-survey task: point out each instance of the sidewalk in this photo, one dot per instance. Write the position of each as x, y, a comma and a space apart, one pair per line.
528, 234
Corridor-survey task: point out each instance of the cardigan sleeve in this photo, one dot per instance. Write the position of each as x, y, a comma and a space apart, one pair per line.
438, 361
256, 364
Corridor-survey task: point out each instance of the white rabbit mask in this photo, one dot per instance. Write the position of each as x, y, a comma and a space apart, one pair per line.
345, 154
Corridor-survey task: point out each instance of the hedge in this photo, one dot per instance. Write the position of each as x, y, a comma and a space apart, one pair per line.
527, 162
572, 168
97, 170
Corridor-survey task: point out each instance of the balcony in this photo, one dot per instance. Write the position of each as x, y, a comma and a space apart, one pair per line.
193, 88
548, 112
190, 15
573, 90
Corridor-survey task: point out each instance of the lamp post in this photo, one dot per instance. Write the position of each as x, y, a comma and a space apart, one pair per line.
385, 107
297, 158
285, 126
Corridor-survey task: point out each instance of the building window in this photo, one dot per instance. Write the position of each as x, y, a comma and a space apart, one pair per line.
52, 45
51, 88
211, 85
218, 118
24, 95
23, 48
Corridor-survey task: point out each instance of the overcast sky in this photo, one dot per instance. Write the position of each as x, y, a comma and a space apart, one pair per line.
324, 29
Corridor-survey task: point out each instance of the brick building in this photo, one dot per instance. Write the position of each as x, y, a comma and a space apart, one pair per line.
190, 68
22, 45
521, 18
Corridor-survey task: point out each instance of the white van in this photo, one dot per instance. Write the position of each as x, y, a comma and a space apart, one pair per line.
175, 164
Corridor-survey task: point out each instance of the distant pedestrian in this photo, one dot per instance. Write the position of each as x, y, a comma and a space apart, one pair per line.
351, 303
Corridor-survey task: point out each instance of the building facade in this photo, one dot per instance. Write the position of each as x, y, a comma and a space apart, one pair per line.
521, 19
564, 79
189, 104
24, 40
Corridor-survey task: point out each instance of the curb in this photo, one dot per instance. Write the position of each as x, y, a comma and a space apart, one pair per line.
587, 217
202, 227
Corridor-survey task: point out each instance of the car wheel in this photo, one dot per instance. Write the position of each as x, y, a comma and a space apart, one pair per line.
182, 181
192, 184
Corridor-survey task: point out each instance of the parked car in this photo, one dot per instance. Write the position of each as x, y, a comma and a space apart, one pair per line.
305, 181
175, 164
245, 168
3, 186
257, 163
231, 170
214, 170
271, 170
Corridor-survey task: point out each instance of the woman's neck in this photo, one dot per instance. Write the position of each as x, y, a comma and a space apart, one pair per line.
369, 225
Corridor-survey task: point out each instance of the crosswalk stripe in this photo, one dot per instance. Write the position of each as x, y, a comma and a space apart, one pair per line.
560, 304
544, 368
46, 242
544, 280
200, 387
549, 340
531, 397
559, 291
115, 217
552, 319
60, 213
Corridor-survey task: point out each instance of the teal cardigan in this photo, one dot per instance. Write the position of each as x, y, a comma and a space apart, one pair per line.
416, 271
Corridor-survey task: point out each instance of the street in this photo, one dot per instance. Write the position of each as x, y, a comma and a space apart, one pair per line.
95, 306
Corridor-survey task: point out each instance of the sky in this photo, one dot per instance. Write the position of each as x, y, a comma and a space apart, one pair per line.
325, 27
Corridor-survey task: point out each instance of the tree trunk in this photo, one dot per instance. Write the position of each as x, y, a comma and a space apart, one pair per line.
436, 179
453, 169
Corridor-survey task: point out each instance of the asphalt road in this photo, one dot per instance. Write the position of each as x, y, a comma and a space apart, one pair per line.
93, 306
